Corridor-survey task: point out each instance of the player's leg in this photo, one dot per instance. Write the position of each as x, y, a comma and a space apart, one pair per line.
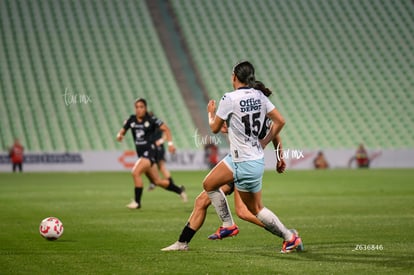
272, 223
167, 184
221, 174
242, 211
163, 169
151, 184
201, 204
194, 223
249, 186
196, 220
140, 167
161, 166
249, 176
245, 214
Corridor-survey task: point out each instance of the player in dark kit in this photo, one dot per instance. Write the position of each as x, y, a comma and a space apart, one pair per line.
143, 128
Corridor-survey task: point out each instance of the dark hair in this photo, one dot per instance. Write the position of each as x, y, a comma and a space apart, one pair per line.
244, 71
258, 85
141, 100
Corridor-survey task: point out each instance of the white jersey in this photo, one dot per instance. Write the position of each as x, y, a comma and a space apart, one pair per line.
244, 110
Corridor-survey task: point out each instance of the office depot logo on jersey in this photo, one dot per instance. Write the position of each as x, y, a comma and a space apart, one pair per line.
250, 104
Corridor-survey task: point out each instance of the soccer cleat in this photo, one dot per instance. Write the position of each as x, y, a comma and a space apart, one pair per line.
151, 186
183, 194
224, 232
133, 205
177, 246
294, 244
300, 247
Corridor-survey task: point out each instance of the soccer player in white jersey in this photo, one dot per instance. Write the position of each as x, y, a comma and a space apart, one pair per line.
243, 110
202, 202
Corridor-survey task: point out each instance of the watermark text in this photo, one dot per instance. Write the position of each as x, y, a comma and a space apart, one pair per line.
73, 99
288, 153
205, 140
368, 247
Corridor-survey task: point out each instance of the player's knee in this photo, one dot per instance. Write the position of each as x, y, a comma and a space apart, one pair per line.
135, 173
202, 201
207, 186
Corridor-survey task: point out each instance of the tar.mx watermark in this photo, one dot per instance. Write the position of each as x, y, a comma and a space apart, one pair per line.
288, 153
205, 140
73, 98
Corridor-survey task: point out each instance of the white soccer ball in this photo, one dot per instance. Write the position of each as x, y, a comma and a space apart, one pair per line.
51, 228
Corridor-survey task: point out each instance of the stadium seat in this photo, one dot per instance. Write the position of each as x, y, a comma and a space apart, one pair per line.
109, 52
342, 61
341, 71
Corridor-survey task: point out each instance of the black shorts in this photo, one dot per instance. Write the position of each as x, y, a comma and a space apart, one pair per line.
148, 152
160, 153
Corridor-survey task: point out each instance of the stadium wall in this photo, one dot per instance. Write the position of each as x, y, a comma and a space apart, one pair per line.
194, 160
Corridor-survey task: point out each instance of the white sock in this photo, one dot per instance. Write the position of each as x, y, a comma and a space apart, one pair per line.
273, 224
219, 201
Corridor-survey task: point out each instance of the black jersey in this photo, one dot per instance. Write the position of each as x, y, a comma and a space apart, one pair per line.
143, 132
158, 134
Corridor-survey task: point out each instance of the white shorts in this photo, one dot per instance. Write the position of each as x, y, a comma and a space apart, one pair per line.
247, 175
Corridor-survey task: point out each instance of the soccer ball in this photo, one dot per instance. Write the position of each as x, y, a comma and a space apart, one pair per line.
51, 228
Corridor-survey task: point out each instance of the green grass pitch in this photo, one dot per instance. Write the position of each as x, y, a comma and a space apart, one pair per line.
351, 221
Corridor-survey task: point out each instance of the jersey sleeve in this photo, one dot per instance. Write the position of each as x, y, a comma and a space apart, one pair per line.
127, 123
156, 121
225, 107
269, 105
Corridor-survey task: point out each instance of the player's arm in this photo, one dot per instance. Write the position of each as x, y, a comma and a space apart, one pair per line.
120, 135
160, 141
164, 128
224, 129
124, 129
277, 144
280, 162
214, 121
278, 123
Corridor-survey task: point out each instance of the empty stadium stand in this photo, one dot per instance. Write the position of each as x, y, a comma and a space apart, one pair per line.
341, 71
107, 51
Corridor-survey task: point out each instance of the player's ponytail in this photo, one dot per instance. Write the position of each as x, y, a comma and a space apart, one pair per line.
244, 71
261, 87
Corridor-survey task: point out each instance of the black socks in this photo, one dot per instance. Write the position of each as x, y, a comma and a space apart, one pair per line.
173, 188
138, 194
187, 234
